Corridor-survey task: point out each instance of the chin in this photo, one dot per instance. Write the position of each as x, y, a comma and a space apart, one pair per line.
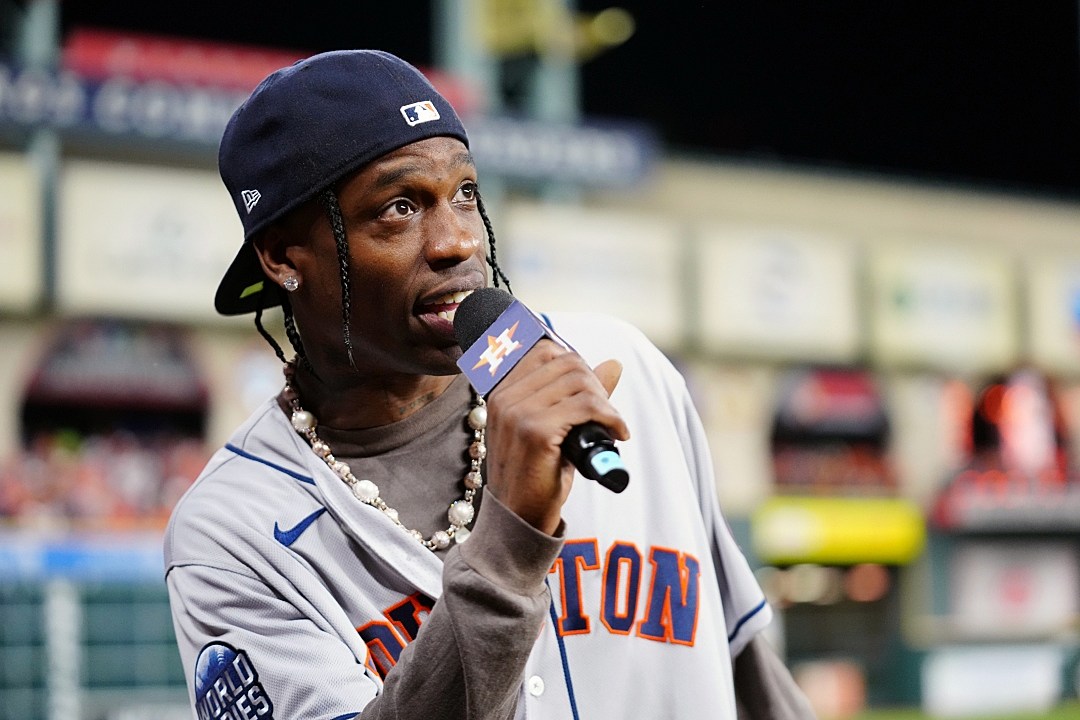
445, 363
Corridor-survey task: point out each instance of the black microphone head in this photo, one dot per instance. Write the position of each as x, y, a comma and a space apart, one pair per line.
477, 312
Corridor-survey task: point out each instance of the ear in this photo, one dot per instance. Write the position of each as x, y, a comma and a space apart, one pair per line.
272, 245
285, 247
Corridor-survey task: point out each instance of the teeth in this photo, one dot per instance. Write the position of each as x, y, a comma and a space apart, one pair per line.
451, 298
447, 314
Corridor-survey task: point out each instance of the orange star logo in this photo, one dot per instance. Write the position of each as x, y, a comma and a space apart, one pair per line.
498, 349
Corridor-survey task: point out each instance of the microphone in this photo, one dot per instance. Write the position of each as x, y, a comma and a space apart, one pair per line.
494, 331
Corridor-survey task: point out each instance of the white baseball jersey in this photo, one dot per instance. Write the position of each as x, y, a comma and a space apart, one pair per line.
291, 599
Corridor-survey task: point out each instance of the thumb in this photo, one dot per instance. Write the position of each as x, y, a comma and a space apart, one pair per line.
609, 372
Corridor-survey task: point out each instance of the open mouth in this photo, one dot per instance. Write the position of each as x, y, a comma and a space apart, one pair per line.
445, 306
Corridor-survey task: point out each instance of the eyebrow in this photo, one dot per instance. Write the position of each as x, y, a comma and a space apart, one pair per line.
394, 175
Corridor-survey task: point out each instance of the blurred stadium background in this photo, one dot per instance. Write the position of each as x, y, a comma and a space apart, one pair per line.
853, 225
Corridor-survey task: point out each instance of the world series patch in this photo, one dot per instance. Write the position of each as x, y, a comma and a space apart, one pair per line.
227, 686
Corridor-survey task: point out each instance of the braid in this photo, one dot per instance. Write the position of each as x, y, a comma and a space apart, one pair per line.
294, 335
267, 336
337, 225
496, 271
290, 331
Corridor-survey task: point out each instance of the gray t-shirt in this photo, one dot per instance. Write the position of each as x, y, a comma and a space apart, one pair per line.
419, 463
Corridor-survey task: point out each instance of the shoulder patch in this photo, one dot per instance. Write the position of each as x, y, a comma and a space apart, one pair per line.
227, 685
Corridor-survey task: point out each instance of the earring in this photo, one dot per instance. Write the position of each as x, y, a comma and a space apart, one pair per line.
291, 283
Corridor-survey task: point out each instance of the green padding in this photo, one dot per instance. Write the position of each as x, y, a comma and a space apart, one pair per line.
252, 289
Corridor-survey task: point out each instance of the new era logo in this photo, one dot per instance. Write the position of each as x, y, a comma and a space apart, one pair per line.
419, 112
251, 197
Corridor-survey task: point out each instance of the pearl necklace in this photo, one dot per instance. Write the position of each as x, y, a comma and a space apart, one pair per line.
461, 512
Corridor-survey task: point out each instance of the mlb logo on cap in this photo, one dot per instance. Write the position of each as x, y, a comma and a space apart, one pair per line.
419, 112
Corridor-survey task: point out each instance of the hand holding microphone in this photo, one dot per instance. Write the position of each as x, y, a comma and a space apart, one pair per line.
548, 407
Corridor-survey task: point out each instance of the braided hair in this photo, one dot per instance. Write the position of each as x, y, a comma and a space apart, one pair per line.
496, 271
341, 242
290, 332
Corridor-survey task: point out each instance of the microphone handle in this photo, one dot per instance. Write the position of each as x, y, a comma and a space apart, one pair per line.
592, 451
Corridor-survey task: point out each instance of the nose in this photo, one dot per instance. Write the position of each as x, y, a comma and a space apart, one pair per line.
455, 236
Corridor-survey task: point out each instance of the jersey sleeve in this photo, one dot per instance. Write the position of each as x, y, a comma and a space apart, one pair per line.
746, 611
250, 651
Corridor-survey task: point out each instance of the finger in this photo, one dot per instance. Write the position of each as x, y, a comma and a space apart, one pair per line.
609, 373
540, 369
569, 393
563, 388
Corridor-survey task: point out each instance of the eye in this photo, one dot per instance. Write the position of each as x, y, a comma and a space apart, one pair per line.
397, 209
467, 192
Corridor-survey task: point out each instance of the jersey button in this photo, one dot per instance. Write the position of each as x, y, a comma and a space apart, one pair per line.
536, 686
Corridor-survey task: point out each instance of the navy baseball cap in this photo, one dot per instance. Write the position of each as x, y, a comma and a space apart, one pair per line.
304, 128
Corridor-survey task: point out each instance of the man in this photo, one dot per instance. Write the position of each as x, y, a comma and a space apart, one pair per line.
319, 567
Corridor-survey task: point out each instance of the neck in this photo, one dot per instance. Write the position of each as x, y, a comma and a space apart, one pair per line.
367, 402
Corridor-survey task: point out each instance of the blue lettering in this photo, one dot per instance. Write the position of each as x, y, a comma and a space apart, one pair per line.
406, 615
622, 568
673, 598
576, 555
384, 646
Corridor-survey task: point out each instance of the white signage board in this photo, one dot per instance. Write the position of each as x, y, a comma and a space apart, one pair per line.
944, 307
777, 293
992, 681
21, 240
563, 257
1015, 588
143, 241
1053, 312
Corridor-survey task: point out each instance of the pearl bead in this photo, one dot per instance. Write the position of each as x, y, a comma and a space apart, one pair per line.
478, 418
302, 420
365, 490
461, 512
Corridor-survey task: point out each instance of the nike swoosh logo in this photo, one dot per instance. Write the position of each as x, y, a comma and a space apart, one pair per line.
288, 537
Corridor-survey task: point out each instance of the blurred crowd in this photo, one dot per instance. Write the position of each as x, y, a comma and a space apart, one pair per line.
117, 480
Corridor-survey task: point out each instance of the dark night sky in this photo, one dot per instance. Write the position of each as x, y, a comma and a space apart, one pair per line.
968, 91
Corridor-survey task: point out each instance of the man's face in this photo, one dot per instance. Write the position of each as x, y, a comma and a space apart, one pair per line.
415, 239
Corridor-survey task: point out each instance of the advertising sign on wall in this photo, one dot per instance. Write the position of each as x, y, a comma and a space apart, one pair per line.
944, 307
20, 233
1015, 588
565, 258
1053, 313
157, 114
776, 293
142, 241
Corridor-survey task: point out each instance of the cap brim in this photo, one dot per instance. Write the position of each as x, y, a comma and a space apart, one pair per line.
245, 288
